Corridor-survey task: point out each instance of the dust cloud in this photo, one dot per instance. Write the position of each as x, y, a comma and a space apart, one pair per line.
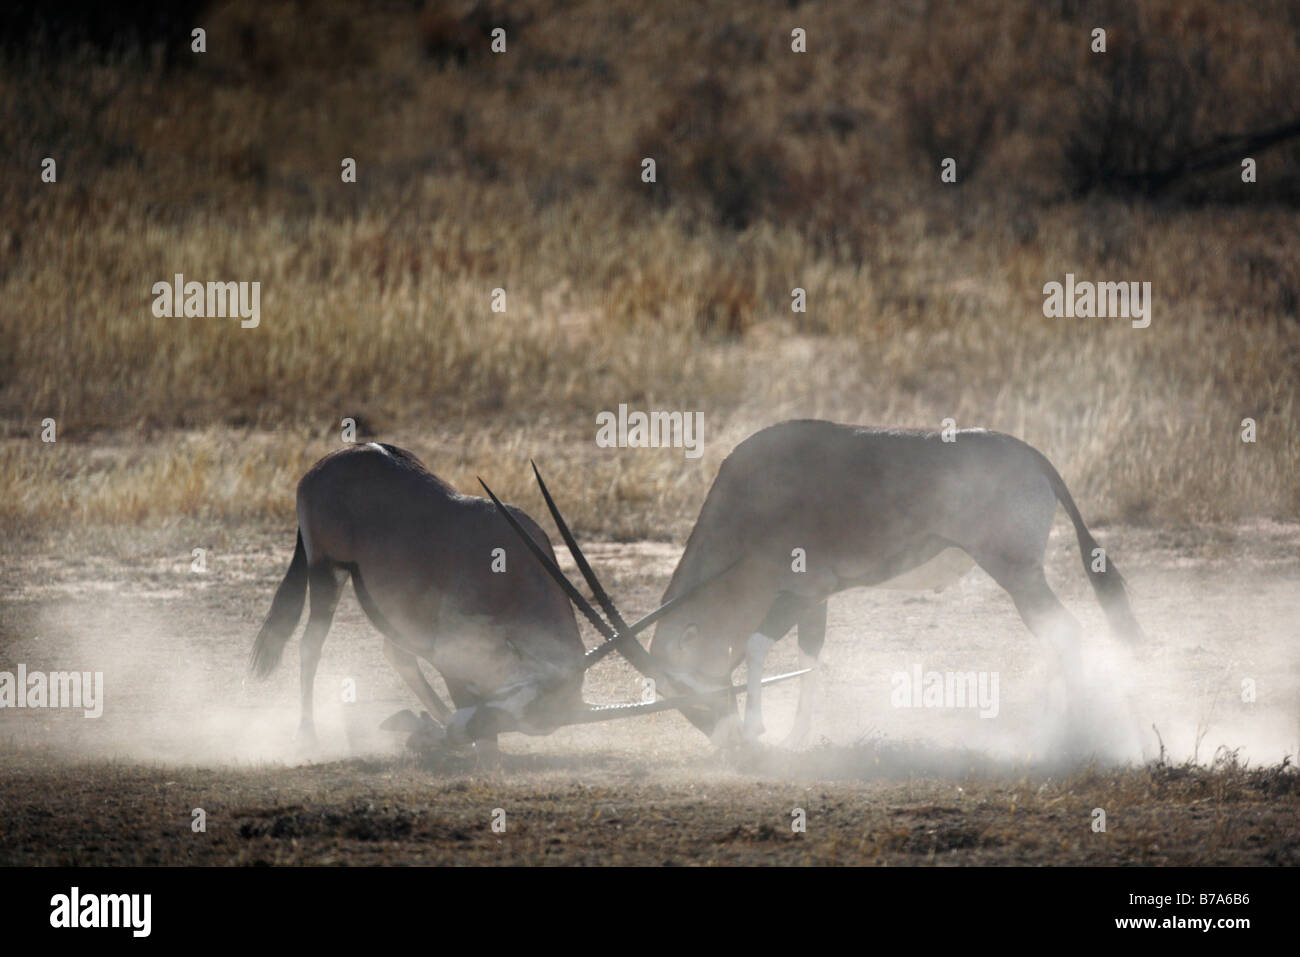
177, 692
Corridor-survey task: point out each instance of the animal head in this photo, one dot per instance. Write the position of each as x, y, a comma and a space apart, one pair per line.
693, 643
693, 661
702, 637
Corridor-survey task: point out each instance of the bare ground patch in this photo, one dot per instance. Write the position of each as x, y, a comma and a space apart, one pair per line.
183, 729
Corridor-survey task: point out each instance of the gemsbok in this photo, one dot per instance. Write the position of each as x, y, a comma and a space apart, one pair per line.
802, 510
868, 507
432, 571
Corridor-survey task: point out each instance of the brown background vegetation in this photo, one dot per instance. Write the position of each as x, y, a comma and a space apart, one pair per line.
521, 171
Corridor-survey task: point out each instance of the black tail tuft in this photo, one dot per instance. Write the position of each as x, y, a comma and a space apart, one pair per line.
1107, 583
286, 609
1111, 590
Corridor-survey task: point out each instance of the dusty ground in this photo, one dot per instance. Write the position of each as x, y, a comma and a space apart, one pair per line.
183, 729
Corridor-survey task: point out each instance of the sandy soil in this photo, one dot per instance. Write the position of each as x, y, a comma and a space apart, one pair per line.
182, 727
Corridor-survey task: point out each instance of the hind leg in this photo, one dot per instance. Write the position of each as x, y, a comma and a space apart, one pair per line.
408, 667
403, 662
812, 635
1045, 616
325, 584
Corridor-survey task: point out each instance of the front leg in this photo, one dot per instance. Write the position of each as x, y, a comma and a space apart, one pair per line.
812, 634
755, 652
809, 685
487, 755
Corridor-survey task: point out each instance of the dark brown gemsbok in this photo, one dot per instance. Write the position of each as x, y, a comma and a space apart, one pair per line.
436, 573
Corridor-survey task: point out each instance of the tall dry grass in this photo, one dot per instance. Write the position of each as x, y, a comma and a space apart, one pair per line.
521, 172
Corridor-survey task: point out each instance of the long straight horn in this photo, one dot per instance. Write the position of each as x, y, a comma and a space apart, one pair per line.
561, 579
641, 624
626, 644
580, 559
611, 712
625, 631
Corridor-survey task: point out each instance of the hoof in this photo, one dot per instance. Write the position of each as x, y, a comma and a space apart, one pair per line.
487, 755
424, 734
429, 738
796, 740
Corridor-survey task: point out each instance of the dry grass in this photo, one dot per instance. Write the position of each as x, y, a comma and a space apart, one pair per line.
521, 172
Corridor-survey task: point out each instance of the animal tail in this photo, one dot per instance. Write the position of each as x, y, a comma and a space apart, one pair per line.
286, 609
1108, 583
